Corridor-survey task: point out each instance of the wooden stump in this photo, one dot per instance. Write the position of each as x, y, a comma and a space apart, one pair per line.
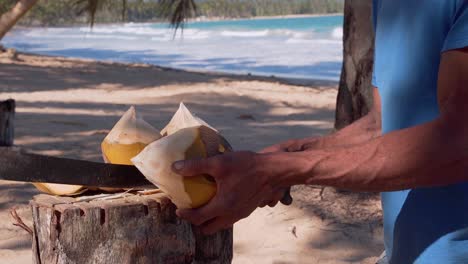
130, 229
7, 114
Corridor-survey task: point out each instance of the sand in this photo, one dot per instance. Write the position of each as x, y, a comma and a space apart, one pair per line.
65, 107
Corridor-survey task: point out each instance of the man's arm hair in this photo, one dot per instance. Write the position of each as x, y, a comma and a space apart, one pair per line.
427, 155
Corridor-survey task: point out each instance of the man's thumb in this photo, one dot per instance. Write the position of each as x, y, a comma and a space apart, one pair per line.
190, 167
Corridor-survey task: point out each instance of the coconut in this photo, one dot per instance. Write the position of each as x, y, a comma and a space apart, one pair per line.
129, 136
155, 162
183, 118
60, 189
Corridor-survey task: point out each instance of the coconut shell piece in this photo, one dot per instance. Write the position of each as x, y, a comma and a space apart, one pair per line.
183, 118
155, 162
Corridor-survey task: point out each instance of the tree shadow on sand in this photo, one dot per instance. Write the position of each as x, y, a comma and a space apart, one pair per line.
70, 133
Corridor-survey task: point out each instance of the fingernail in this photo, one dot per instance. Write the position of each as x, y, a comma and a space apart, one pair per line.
178, 165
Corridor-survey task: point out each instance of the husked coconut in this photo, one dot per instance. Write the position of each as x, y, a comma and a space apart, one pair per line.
129, 136
155, 162
183, 118
60, 189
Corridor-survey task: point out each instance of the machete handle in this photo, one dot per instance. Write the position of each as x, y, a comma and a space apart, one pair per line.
287, 198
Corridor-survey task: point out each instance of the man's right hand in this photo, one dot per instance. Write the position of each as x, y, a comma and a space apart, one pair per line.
292, 145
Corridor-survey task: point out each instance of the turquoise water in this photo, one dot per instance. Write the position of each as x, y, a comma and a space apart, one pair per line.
318, 24
303, 47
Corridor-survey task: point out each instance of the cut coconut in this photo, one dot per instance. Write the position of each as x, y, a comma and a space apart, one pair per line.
155, 162
183, 118
128, 137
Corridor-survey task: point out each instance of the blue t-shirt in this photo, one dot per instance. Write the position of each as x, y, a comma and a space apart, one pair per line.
424, 225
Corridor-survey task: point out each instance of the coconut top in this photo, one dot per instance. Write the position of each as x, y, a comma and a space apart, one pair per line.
130, 129
183, 118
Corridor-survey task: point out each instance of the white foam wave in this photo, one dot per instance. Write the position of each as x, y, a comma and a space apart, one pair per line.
283, 52
337, 33
245, 34
132, 30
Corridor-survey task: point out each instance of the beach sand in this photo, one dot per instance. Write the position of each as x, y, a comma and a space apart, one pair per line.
65, 107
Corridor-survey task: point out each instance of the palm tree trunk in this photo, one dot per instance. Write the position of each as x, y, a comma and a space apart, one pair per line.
9, 19
355, 93
124, 10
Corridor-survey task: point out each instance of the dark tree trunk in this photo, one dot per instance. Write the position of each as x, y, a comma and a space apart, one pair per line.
7, 114
9, 19
124, 10
355, 93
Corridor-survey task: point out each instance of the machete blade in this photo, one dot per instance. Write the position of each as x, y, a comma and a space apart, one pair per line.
16, 165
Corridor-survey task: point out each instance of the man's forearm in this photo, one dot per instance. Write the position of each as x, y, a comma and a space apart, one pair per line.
363, 130
433, 154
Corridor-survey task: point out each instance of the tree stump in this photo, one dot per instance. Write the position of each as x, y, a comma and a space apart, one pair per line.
7, 114
129, 229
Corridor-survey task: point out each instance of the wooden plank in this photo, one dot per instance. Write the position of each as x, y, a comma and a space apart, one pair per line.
7, 115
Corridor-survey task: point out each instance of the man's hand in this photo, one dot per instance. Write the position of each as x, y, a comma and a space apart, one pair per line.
243, 184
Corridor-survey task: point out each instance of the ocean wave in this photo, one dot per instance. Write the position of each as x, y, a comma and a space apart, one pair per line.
245, 34
337, 33
284, 52
135, 30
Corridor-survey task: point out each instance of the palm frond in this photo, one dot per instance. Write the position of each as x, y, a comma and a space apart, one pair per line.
177, 11
88, 6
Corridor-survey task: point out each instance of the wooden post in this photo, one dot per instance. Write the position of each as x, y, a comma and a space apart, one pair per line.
131, 229
7, 114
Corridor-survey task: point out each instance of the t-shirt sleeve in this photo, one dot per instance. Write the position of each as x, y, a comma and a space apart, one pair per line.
457, 37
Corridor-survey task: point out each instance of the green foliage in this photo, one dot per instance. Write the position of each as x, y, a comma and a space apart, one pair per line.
251, 8
68, 12
50, 13
6, 5
177, 11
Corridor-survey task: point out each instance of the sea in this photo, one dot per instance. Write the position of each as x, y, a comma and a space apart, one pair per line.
294, 47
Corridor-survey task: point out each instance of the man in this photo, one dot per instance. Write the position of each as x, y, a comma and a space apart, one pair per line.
412, 146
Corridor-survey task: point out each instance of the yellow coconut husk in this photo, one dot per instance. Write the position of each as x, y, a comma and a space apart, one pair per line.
155, 162
60, 189
183, 118
129, 136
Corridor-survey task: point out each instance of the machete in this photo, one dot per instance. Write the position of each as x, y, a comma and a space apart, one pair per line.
16, 165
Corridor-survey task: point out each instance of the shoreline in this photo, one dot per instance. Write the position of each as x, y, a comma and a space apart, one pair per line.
219, 74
